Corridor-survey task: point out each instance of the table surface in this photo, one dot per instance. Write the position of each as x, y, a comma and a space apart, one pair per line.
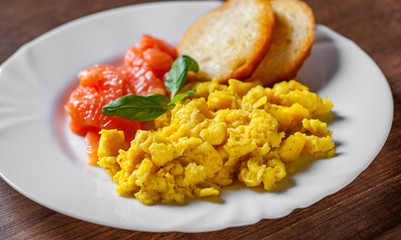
369, 207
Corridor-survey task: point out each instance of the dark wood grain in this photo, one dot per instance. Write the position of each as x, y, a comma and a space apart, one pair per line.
368, 208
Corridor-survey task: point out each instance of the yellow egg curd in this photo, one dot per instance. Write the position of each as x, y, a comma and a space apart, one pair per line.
222, 132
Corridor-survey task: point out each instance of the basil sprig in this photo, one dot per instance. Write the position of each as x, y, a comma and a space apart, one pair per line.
147, 108
178, 74
139, 108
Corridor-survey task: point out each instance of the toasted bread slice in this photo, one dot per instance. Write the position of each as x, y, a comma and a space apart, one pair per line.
292, 41
229, 41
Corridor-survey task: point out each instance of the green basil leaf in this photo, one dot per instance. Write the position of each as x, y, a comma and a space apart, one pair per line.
180, 96
177, 76
158, 98
138, 108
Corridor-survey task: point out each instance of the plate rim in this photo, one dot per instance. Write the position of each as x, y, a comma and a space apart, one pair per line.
113, 10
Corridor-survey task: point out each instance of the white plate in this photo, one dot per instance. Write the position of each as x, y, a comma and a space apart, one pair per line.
44, 161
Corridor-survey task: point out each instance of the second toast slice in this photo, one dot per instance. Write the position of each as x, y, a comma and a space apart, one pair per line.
293, 36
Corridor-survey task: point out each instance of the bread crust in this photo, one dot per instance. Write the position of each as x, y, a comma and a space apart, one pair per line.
230, 41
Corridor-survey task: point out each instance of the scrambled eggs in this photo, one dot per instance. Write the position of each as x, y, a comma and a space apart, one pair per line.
240, 130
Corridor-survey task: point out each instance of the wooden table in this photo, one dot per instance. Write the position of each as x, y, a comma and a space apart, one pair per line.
369, 207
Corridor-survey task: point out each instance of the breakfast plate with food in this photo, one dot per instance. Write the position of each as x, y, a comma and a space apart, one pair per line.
190, 116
